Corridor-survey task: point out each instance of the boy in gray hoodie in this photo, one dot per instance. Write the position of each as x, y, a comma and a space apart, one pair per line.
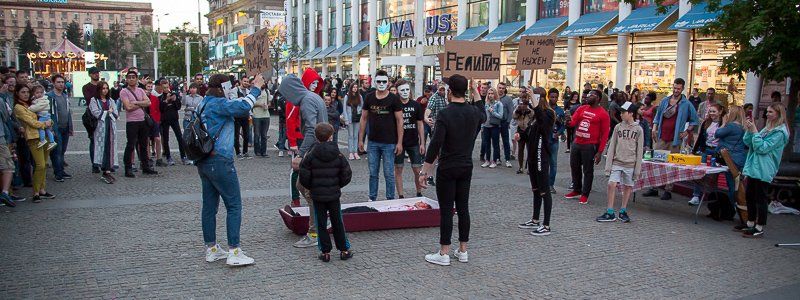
624, 161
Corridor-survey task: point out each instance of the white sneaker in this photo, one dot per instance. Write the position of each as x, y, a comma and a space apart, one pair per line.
305, 242
508, 164
462, 256
41, 144
438, 259
237, 258
493, 165
485, 164
280, 153
215, 253
695, 201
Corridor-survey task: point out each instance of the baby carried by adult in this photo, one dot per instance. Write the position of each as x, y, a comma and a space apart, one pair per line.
41, 106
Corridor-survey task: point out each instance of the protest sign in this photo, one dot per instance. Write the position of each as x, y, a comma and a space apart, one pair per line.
535, 52
256, 53
480, 60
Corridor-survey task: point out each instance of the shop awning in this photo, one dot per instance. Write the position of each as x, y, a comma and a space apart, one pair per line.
472, 33
322, 54
357, 48
591, 24
698, 16
338, 52
311, 54
646, 19
504, 32
544, 27
300, 56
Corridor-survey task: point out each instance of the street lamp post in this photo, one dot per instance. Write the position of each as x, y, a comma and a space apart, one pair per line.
157, 45
188, 58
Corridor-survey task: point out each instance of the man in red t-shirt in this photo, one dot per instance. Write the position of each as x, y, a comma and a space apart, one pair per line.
592, 124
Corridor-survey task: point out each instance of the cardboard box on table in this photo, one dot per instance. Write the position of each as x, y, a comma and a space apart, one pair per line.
367, 221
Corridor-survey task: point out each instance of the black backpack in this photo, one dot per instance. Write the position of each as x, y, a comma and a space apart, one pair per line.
199, 143
88, 119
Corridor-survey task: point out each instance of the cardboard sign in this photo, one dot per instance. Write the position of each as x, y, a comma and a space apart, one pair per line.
256, 53
479, 60
535, 52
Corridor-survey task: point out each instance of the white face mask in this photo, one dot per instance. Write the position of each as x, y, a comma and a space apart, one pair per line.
313, 85
227, 88
405, 91
382, 83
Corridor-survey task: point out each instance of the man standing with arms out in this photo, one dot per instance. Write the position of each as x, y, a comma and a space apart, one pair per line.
452, 144
242, 124
558, 131
508, 106
384, 113
592, 124
674, 121
202, 88
413, 138
134, 100
62, 118
305, 101
702, 108
170, 104
89, 91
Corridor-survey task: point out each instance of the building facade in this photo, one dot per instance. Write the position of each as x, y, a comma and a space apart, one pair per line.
49, 19
599, 41
229, 22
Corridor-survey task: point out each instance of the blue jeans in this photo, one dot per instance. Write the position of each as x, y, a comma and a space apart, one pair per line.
281, 144
352, 137
378, 152
553, 161
219, 179
57, 154
490, 139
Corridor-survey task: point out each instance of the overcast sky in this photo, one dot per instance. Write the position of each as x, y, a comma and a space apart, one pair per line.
180, 11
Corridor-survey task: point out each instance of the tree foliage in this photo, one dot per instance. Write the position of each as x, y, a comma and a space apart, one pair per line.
74, 34
118, 47
101, 42
27, 43
172, 60
142, 44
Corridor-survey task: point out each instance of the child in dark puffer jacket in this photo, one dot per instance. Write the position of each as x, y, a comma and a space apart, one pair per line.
324, 170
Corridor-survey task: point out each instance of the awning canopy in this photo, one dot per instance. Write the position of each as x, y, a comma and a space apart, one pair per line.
544, 27
504, 32
338, 52
311, 54
472, 33
698, 16
646, 19
322, 54
65, 46
357, 48
591, 24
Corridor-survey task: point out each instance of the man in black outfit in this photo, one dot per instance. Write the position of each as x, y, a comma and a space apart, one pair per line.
170, 105
241, 126
453, 140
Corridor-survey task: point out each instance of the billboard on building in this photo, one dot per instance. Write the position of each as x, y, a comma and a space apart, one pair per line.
553, 8
275, 20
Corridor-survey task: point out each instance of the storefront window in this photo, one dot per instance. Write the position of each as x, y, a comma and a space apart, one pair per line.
598, 61
478, 13
513, 10
593, 6
707, 71
653, 62
394, 8
319, 30
364, 22
556, 76
553, 8
347, 33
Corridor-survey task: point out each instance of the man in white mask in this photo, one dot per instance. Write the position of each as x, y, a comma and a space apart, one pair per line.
413, 137
383, 111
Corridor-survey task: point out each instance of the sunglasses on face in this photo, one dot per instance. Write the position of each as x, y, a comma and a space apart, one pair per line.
381, 81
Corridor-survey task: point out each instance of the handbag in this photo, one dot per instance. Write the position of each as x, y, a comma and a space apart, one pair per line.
148, 121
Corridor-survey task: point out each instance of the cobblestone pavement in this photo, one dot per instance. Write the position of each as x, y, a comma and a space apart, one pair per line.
141, 238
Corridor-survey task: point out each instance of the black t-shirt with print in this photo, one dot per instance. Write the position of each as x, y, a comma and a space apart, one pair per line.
412, 112
381, 121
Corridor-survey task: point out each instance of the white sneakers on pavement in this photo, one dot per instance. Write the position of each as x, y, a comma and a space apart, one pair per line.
485, 164
462, 256
305, 242
215, 253
508, 164
236, 258
438, 259
695, 201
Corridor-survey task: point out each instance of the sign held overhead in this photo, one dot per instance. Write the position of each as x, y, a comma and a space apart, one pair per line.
257, 54
480, 60
535, 52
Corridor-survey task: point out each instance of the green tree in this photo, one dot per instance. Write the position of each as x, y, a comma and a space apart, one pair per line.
27, 43
173, 61
74, 34
118, 47
101, 42
764, 34
142, 44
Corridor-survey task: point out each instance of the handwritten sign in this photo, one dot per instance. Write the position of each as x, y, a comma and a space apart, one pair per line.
480, 60
256, 53
535, 52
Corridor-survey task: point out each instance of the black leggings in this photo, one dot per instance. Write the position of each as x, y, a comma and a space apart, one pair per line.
538, 196
452, 188
570, 136
757, 198
137, 134
241, 126
165, 126
521, 145
321, 211
581, 162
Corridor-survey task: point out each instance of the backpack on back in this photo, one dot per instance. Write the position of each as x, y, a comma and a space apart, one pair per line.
199, 143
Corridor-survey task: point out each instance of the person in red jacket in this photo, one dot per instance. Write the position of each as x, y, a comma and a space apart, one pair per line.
592, 124
154, 110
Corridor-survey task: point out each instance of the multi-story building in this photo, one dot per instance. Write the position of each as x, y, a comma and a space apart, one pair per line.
229, 22
598, 41
49, 19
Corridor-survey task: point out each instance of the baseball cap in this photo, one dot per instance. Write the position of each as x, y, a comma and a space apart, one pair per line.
457, 84
629, 107
93, 70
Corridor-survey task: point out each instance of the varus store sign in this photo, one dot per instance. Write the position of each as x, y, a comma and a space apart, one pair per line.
405, 28
54, 1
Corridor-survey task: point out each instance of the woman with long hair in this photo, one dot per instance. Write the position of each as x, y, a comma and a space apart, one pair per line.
491, 130
636, 96
539, 138
763, 160
572, 105
31, 126
707, 142
352, 118
104, 109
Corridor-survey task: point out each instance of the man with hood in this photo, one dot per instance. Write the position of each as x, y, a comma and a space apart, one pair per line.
305, 95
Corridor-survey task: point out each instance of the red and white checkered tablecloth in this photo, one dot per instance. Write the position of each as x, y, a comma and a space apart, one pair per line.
656, 174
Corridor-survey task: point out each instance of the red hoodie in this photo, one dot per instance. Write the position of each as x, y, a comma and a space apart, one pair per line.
293, 130
592, 125
310, 76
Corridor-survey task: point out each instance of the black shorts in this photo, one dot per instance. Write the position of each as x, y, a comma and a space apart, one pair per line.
413, 154
156, 130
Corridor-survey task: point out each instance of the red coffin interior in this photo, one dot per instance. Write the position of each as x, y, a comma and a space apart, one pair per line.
372, 220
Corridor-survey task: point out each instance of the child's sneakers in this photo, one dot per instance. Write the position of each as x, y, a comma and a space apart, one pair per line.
41, 144
607, 217
50, 146
623, 216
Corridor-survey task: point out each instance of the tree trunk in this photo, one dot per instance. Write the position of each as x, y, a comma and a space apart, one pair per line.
794, 88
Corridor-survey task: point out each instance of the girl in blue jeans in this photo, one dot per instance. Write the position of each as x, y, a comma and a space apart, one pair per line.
490, 138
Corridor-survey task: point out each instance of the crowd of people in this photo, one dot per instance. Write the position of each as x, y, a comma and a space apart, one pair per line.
435, 133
